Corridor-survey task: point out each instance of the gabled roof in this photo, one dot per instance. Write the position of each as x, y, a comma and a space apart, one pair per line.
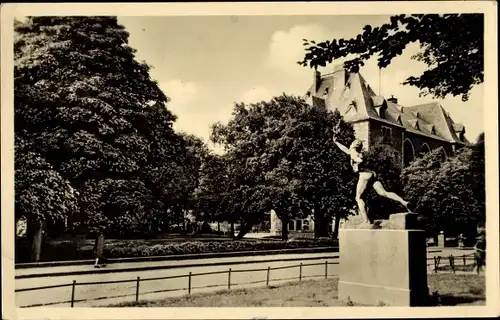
434, 113
355, 100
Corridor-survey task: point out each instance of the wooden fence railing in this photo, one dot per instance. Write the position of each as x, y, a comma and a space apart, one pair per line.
189, 277
267, 280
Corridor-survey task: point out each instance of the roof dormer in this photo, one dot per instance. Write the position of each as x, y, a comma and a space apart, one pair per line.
325, 92
431, 128
398, 120
380, 105
459, 130
414, 123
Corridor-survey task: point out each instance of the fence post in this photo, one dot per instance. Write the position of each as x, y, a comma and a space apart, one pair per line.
452, 263
73, 293
464, 259
267, 278
229, 279
435, 265
189, 283
300, 272
137, 289
326, 269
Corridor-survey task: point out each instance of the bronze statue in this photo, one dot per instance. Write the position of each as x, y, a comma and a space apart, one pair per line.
367, 177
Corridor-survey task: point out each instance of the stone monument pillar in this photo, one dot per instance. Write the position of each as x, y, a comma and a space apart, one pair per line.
275, 224
384, 262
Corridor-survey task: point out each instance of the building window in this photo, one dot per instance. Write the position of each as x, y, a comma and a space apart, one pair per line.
443, 154
325, 93
425, 149
291, 225
408, 152
306, 225
298, 225
386, 134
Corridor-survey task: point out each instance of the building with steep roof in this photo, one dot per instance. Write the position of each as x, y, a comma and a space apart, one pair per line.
412, 130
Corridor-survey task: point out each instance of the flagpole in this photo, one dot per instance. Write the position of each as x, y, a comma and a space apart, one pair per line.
379, 82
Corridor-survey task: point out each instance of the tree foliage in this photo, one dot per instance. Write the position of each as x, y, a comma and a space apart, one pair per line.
283, 158
216, 189
452, 47
185, 182
85, 106
451, 193
42, 195
383, 160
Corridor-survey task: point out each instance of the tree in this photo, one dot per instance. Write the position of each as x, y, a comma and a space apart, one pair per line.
417, 178
452, 46
43, 197
285, 159
86, 106
479, 171
186, 181
449, 194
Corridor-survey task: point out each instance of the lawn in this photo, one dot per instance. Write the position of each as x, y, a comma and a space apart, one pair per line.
445, 289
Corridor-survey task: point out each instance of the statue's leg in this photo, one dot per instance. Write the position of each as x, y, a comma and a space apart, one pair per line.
379, 188
364, 177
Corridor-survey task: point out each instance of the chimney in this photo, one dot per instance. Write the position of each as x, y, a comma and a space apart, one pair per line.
316, 80
393, 99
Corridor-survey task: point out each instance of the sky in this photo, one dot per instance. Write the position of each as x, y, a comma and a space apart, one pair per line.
207, 63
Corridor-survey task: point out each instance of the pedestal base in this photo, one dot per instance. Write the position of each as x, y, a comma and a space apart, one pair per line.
383, 266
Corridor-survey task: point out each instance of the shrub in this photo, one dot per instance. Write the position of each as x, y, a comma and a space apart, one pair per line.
70, 250
210, 247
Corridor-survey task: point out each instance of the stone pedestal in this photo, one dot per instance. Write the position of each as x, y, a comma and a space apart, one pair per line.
440, 243
383, 263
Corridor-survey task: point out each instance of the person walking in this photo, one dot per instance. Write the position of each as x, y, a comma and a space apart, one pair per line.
480, 250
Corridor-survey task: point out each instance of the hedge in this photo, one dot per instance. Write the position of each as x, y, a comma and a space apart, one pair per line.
211, 247
69, 250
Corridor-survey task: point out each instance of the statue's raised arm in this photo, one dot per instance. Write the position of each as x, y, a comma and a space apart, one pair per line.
336, 130
341, 146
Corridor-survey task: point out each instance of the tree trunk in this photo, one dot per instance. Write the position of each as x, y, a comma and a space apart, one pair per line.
218, 226
320, 224
284, 227
317, 226
232, 229
245, 228
184, 227
36, 244
336, 227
